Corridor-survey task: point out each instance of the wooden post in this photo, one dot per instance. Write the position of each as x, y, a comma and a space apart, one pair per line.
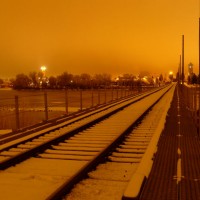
45, 106
92, 97
111, 94
105, 95
81, 100
98, 96
66, 102
17, 112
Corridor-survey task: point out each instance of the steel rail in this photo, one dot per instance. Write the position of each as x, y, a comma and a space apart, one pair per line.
69, 184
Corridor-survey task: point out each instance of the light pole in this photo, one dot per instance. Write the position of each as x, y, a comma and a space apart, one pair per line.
182, 59
171, 75
43, 81
43, 69
199, 45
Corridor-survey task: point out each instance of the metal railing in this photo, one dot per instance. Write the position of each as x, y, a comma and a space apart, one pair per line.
191, 95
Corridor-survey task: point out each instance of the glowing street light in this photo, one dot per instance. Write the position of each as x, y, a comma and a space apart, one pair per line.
171, 75
43, 69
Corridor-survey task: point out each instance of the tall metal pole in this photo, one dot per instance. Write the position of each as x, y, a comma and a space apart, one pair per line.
182, 59
198, 115
179, 71
199, 49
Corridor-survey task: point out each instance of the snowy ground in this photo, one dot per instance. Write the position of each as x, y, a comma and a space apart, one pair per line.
43, 175
105, 183
5, 131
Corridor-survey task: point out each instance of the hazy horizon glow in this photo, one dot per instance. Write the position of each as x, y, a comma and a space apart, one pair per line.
97, 36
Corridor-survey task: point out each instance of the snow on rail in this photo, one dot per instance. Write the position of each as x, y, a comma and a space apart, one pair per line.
134, 187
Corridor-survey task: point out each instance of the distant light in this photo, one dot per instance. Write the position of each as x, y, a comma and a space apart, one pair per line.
171, 73
43, 68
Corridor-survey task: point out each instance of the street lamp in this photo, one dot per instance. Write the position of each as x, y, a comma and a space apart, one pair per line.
171, 75
43, 69
43, 81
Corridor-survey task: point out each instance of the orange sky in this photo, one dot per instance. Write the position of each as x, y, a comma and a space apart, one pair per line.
97, 36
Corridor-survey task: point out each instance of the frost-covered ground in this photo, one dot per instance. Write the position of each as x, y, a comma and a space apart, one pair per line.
107, 182
5, 131
43, 175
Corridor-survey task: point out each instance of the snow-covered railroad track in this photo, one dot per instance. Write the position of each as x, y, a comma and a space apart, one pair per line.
110, 178
47, 168
61, 127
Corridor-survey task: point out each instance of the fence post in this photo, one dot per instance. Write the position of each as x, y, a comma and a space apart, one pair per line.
66, 101
105, 96
17, 112
45, 106
81, 100
98, 96
111, 94
92, 97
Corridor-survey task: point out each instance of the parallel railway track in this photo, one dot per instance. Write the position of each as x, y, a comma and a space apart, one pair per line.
80, 146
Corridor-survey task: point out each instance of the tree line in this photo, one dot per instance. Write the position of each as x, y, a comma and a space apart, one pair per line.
37, 80
65, 80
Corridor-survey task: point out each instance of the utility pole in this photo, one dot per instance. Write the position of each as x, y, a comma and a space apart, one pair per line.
182, 59
179, 70
199, 50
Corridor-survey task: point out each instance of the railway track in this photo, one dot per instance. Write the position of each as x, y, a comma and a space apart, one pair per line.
60, 157
59, 123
